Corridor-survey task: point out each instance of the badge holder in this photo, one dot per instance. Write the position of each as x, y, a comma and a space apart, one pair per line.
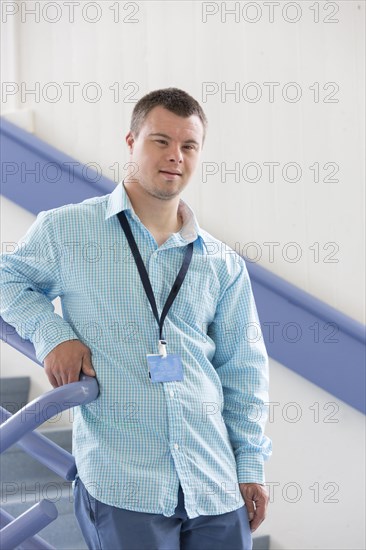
164, 367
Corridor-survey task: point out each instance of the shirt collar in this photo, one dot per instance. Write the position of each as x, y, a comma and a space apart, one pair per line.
119, 201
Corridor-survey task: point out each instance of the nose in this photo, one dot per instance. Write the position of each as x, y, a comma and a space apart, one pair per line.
174, 153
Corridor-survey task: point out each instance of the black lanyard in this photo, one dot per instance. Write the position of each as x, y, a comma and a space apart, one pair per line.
145, 277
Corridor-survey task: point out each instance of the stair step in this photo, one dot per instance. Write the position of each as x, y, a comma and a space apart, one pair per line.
261, 543
14, 393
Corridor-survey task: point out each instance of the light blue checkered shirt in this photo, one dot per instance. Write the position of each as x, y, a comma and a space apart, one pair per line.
138, 440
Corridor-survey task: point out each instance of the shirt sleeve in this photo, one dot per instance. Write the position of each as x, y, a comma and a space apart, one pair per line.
29, 281
241, 362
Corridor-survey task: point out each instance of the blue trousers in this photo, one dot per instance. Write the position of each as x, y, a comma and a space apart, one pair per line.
110, 528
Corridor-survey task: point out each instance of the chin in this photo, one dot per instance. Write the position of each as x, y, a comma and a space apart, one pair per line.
167, 196
166, 193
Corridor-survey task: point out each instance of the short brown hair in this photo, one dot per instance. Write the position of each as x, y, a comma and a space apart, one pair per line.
173, 99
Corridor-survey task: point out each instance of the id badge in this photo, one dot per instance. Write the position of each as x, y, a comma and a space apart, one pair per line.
165, 369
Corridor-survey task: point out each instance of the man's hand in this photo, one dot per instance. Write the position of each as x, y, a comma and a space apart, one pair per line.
64, 363
256, 499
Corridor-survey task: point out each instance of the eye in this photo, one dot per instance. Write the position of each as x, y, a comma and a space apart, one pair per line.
189, 146
161, 141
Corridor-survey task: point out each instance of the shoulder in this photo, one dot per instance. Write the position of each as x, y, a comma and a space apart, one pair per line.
87, 207
228, 263
79, 216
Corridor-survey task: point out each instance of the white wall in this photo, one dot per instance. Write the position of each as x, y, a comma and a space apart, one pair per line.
316, 475
171, 46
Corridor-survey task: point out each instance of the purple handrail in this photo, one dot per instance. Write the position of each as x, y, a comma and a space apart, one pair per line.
27, 524
33, 543
42, 409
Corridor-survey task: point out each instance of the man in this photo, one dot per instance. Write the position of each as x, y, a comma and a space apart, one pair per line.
170, 455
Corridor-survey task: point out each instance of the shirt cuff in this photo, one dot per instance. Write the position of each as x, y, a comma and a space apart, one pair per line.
50, 334
250, 468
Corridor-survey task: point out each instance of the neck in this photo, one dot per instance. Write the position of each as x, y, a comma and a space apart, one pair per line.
156, 214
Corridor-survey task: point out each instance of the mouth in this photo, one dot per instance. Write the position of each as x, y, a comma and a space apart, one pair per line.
171, 174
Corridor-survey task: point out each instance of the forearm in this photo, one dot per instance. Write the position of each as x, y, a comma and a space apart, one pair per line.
245, 414
32, 314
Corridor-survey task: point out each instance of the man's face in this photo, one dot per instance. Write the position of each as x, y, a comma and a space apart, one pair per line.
165, 153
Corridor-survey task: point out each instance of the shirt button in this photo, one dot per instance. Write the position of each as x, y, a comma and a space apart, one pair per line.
176, 446
171, 393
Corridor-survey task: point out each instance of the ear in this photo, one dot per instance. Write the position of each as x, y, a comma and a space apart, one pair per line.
130, 141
